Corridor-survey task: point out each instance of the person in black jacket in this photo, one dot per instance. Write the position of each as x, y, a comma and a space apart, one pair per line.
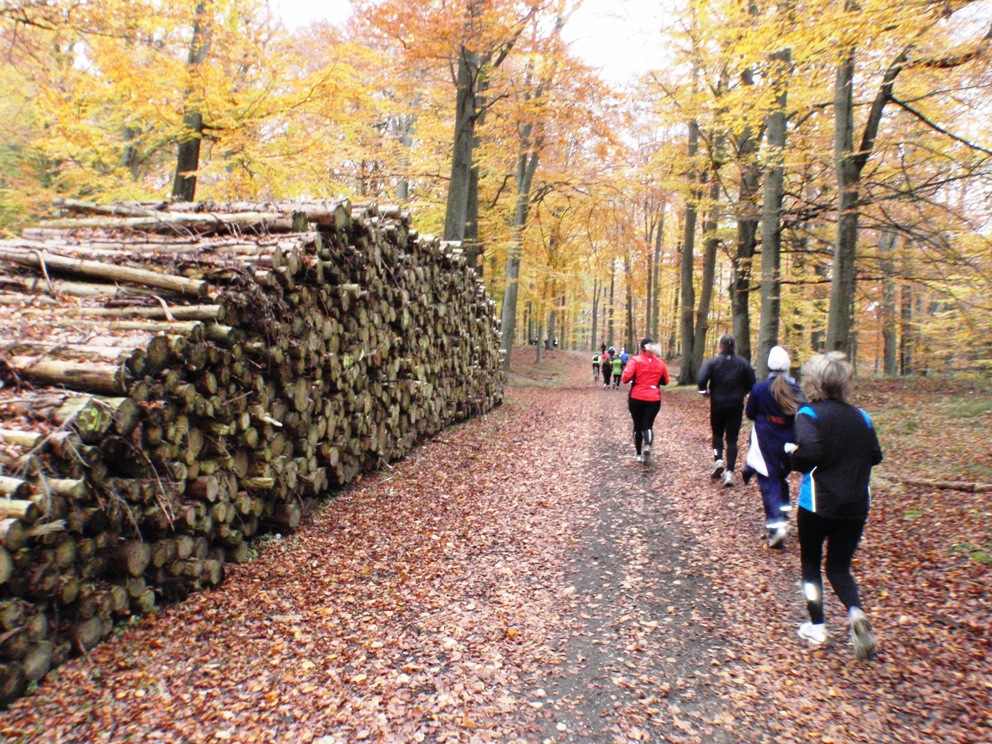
836, 448
727, 379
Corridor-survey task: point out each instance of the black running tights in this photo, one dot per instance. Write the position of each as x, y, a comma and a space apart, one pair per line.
842, 537
726, 422
643, 413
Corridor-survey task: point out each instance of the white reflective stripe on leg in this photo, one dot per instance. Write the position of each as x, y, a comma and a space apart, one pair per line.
812, 592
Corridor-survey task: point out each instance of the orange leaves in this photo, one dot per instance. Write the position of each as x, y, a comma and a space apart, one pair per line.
532, 607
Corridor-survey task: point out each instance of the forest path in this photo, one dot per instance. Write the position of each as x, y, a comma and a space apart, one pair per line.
517, 579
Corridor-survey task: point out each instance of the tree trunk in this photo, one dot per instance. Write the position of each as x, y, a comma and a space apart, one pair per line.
771, 219
849, 165
188, 156
629, 276
907, 359
655, 278
456, 209
687, 375
610, 306
711, 243
845, 245
594, 338
526, 167
890, 336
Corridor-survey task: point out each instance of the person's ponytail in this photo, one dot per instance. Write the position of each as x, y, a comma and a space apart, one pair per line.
784, 395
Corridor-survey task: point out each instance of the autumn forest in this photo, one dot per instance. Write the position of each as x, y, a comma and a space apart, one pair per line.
804, 172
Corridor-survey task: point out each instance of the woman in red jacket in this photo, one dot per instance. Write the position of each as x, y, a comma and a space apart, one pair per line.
647, 373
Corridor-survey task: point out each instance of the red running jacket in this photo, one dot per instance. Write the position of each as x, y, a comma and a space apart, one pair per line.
648, 373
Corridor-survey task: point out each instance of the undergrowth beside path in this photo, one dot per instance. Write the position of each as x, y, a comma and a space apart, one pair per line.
521, 579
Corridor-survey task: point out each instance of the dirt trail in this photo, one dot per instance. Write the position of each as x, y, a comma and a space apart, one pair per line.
518, 579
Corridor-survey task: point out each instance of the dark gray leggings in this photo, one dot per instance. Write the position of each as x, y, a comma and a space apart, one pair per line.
841, 537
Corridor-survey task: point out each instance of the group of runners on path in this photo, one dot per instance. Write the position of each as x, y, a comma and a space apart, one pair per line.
810, 427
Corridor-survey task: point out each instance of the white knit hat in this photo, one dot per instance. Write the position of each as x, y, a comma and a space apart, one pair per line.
778, 359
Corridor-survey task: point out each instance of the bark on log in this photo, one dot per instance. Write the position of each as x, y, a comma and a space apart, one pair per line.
102, 379
130, 558
12, 537
26, 511
6, 562
166, 222
38, 660
335, 351
12, 683
9, 251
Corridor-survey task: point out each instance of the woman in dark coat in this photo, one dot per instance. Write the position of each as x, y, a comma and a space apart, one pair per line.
836, 448
772, 407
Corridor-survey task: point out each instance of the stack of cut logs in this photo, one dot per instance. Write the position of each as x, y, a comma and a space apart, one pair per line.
177, 379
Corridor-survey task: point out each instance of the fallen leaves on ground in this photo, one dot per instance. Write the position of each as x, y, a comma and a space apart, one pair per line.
521, 579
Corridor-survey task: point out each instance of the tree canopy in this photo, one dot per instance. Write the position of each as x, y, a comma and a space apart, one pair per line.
803, 172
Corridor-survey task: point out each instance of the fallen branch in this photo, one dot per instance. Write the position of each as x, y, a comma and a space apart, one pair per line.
945, 485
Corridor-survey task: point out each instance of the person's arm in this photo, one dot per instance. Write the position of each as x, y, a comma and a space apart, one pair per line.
629, 370
664, 380
751, 409
703, 378
809, 445
876, 448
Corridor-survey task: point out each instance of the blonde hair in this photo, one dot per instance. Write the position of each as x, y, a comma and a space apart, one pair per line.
827, 377
653, 349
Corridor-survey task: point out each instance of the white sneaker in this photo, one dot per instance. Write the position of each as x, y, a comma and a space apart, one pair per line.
864, 641
717, 469
640, 458
728, 479
646, 449
815, 634
778, 535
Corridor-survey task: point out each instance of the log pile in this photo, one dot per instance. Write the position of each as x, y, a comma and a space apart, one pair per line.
179, 379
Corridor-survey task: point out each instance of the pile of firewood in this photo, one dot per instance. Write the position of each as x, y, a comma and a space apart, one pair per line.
177, 379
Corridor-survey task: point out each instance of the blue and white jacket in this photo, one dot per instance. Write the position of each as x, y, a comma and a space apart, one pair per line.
837, 449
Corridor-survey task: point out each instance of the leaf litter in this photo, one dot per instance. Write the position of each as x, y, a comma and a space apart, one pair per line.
521, 579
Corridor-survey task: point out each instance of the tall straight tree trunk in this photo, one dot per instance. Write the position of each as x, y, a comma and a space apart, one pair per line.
845, 246
610, 306
687, 375
456, 208
401, 129
710, 244
771, 218
539, 349
650, 299
594, 331
890, 336
907, 360
849, 164
527, 162
654, 307
629, 276
188, 155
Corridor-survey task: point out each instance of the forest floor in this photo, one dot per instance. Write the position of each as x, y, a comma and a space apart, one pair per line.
520, 578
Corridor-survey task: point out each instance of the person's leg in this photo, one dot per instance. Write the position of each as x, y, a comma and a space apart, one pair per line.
717, 426
732, 426
649, 412
812, 533
841, 546
785, 504
842, 542
770, 500
637, 416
